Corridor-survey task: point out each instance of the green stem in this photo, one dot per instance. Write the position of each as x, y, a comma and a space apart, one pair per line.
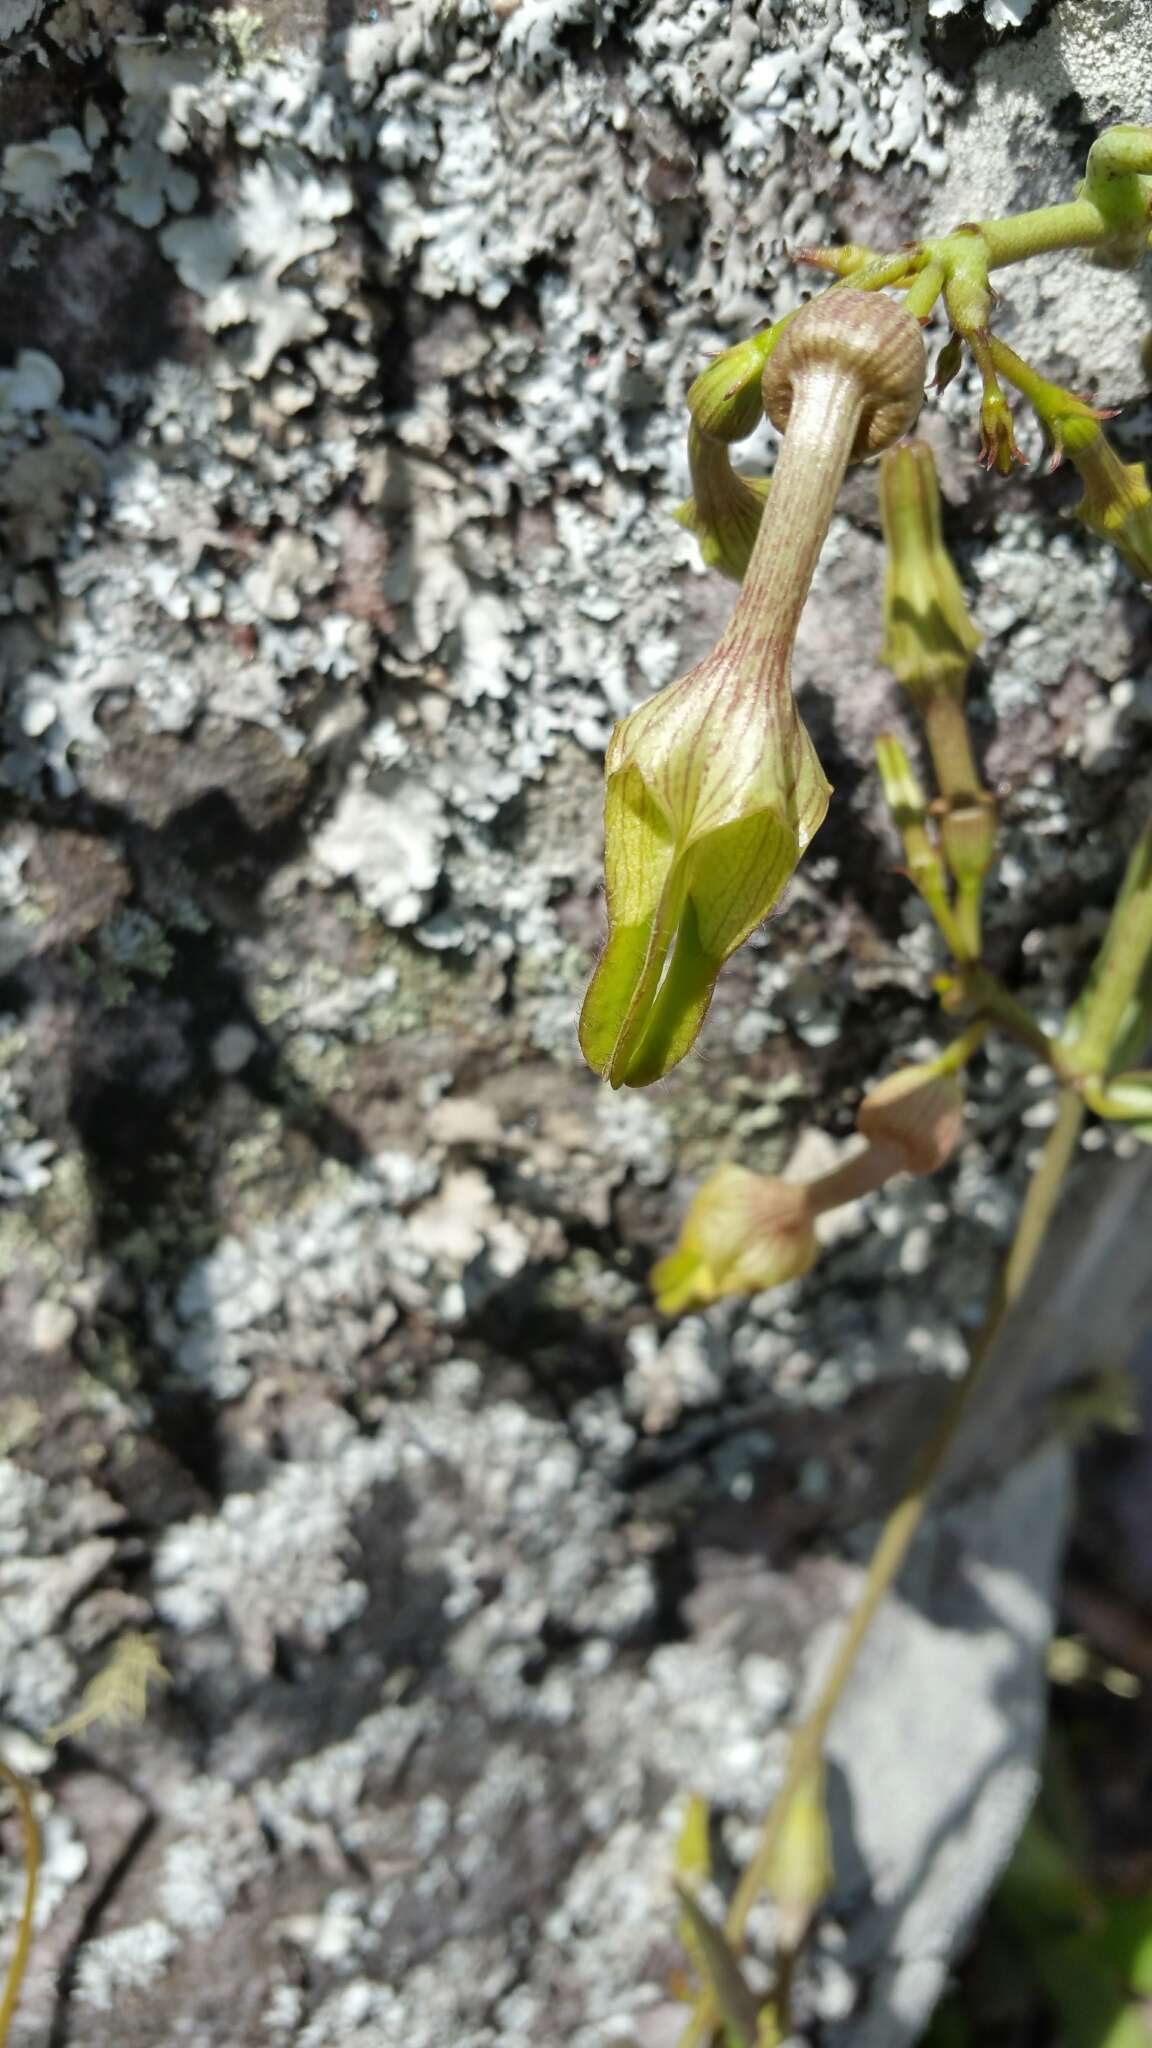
902, 1524
924, 290
1045, 398
989, 997
948, 924
969, 899
950, 745
1120, 967
1078, 224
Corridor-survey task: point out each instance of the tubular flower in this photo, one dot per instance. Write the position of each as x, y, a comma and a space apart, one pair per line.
929, 638
746, 1232
714, 787
1117, 504
725, 508
743, 1233
917, 1115
714, 790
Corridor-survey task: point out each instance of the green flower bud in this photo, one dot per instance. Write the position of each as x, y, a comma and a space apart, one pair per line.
999, 449
1117, 504
714, 791
742, 1234
725, 509
724, 400
798, 1876
929, 638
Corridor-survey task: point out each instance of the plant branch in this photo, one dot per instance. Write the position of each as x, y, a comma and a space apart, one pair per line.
902, 1524
1119, 969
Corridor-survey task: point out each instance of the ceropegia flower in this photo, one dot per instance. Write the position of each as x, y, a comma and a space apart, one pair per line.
917, 1114
714, 788
1117, 503
725, 508
743, 1233
746, 1232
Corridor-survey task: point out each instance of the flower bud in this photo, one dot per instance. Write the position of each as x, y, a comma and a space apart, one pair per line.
948, 362
743, 1233
917, 1115
714, 791
929, 638
714, 788
724, 400
999, 449
725, 509
1117, 503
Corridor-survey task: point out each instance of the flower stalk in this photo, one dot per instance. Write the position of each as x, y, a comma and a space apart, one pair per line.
896, 1538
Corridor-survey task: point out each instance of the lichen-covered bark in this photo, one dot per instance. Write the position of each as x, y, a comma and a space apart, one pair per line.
341, 419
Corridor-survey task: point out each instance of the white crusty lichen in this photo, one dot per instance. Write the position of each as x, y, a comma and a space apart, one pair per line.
390, 489
127, 1960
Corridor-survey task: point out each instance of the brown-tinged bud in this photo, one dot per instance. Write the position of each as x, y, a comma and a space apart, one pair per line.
948, 362
862, 343
917, 1115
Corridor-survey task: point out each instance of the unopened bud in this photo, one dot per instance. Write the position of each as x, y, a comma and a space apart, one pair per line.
998, 445
916, 1114
909, 808
929, 638
724, 400
743, 1233
948, 362
842, 260
714, 791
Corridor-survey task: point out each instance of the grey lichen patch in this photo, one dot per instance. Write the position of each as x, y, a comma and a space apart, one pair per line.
340, 428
